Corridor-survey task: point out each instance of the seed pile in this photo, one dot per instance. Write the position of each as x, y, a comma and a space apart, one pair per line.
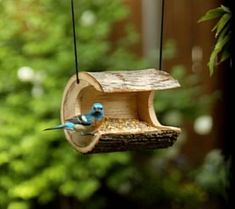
125, 125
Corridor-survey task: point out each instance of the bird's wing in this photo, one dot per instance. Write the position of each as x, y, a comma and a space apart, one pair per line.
79, 119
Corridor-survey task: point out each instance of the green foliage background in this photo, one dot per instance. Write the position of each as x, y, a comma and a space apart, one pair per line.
38, 169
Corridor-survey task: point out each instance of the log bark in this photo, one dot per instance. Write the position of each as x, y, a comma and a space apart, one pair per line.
139, 141
130, 81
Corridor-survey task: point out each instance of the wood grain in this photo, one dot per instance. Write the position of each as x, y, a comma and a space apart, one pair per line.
130, 81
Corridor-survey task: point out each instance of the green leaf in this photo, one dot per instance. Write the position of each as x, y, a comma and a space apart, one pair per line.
225, 55
221, 42
212, 14
212, 62
18, 205
86, 189
224, 20
226, 9
223, 35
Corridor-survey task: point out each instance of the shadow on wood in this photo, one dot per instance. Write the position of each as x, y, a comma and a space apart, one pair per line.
130, 120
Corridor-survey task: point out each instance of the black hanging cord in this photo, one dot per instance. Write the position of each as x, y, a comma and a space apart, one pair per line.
74, 41
161, 36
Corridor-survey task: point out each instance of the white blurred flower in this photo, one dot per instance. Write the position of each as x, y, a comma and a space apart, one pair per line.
37, 91
25, 74
173, 118
203, 124
88, 18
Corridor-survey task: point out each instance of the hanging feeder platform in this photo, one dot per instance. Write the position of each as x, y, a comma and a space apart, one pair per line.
127, 96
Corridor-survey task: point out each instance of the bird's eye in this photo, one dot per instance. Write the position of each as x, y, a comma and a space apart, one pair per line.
97, 108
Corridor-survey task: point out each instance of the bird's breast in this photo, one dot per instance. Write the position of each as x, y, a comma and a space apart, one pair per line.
79, 127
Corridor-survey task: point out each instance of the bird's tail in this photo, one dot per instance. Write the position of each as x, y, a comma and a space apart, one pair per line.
56, 128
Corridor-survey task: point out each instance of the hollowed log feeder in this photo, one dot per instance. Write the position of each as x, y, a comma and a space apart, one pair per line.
130, 121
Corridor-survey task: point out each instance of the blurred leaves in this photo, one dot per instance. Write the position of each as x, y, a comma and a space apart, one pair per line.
36, 60
214, 163
223, 35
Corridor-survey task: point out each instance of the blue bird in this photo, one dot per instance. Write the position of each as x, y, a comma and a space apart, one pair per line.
86, 123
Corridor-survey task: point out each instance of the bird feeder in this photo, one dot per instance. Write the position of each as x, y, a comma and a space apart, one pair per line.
130, 121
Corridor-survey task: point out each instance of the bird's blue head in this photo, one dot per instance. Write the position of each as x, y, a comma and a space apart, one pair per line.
98, 110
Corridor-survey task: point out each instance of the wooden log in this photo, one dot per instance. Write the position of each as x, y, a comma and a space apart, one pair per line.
117, 134
111, 142
127, 97
130, 81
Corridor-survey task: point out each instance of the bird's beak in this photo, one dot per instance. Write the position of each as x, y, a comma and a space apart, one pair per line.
99, 110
